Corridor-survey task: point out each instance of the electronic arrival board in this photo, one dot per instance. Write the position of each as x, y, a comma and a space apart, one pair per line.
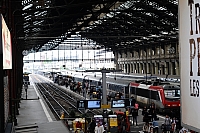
119, 103
93, 104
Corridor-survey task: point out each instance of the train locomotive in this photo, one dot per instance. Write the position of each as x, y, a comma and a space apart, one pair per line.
164, 95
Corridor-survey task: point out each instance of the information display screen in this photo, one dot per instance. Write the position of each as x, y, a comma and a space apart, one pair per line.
93, 104
119, 103
81, 104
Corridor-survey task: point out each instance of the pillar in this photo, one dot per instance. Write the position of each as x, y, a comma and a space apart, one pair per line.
134, 67
131, 67
171, 68
140, 68
156, 68
148, 69
128, 67
177, 68
116, 60
124, 68
165, 65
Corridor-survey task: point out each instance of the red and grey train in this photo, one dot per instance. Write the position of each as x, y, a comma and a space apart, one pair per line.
165, 95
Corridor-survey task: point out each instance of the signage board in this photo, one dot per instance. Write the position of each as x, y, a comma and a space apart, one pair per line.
6, 45
93, 104
105, 106
81, 104
189, 57
113, 120
118, 103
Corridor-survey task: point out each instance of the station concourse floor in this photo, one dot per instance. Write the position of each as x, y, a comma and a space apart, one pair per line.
36, 116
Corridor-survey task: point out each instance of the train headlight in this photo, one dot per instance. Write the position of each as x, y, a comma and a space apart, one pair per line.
168, 105
179, 104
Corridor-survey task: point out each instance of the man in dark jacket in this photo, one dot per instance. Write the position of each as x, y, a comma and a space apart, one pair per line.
92, 126
134, 114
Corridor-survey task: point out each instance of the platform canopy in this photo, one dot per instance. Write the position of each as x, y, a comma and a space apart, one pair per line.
113, 24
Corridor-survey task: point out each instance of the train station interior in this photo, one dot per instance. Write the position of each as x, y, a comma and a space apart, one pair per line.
141, 35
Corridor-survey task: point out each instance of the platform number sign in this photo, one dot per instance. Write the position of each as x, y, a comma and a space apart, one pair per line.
81, 104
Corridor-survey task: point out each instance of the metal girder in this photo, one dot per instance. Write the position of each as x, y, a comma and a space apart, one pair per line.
133, 23
146, 21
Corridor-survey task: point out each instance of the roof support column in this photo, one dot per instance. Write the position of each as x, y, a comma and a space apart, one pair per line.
156, 68
116, 59
131, 67
177, 67
140, 68
2, 94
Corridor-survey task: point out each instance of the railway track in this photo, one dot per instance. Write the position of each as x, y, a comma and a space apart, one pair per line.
70, 97
59, 100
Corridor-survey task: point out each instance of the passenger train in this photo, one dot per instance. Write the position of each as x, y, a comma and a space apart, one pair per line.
165, 95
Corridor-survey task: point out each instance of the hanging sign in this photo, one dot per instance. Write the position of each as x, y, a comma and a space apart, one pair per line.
6, 45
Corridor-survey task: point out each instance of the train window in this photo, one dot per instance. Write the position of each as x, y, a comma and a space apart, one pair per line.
145, 93
126, 90
172, 93
142, 92
154, 95
133, 90
117, 88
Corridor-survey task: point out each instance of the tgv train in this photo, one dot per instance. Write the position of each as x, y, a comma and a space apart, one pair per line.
165, 95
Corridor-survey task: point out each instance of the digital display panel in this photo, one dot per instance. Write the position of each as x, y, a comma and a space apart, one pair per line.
93, 104
81, 104
120, 103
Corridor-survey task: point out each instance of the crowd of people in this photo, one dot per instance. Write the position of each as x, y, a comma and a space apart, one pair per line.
171, 123
80, 87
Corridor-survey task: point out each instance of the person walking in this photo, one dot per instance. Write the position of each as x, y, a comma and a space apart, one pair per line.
99, 128
155, 126
92, 126
134, 115
145, 127
167, 124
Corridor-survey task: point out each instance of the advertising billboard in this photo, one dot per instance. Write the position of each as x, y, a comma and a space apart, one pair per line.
6, 45
189, 42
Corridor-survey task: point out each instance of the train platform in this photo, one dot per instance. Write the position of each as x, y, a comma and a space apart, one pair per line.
133, 127
35, 116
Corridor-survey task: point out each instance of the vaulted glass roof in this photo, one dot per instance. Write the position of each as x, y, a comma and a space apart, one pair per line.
115, 24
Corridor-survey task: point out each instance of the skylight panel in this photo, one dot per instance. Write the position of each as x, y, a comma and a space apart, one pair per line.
36, 29
26, 31
25, 26
28, 16
149, 14
27, 7
171, 14
174, 1
161, 8
28, 19
38, 22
